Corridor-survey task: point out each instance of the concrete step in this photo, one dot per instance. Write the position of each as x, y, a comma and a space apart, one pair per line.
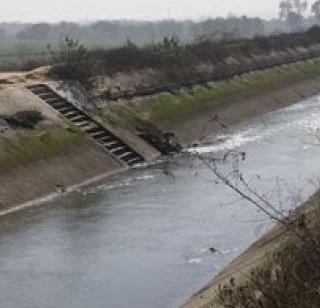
99, 134
58, 104
135, 160
85, 125
47, 96
107, 139
111, 144
53, 100
119, 150
78, 118
65, 109
94, 129
71, 114
128, 155
37, 89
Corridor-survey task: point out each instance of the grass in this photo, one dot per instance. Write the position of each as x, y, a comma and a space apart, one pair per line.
27, 149
169, 106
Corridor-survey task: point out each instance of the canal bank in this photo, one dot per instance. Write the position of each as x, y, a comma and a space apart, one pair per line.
191, 115
259, 256
42, 158
54, 154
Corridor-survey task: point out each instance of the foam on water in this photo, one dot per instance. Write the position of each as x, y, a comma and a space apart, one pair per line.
256, 131
121, 184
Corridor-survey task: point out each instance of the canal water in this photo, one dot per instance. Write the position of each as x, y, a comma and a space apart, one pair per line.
142, 239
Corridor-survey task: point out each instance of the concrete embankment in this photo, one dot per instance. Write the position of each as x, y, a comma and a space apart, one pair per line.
35, 162
190, 115
239, 269
55, 155
256, 256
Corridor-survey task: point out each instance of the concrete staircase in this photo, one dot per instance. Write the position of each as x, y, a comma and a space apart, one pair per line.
86, 124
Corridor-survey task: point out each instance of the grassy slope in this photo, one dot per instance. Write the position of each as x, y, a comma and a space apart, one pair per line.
167, 107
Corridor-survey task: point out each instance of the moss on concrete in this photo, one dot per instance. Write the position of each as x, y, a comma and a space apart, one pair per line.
167, 107
25, 149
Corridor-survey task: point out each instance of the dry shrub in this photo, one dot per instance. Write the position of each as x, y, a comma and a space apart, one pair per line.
71, 62
291, 276
179, 59
27, 119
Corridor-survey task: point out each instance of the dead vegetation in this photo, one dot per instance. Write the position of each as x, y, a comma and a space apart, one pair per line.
201, 60
291, 276
27, 119
180, 60
71, 62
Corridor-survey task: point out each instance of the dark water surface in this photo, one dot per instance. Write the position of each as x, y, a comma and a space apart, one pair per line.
141, 240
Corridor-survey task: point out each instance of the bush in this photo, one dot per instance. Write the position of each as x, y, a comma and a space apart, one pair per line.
179, 60
71, 62
290, 279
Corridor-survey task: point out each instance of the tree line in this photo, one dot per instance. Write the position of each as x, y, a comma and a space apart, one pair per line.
118, 31
294, 15
294, 12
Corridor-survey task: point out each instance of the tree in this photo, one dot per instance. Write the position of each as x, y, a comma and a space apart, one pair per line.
292, 11
285, 7
315, 9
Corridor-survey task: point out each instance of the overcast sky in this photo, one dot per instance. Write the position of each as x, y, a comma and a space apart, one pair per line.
88, 10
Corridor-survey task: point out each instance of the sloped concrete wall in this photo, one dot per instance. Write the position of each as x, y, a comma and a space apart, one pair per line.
36, 177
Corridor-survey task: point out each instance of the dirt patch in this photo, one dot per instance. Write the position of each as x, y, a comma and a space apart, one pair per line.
19, 78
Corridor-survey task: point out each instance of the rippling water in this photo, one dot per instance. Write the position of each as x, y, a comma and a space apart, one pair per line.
142, 240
